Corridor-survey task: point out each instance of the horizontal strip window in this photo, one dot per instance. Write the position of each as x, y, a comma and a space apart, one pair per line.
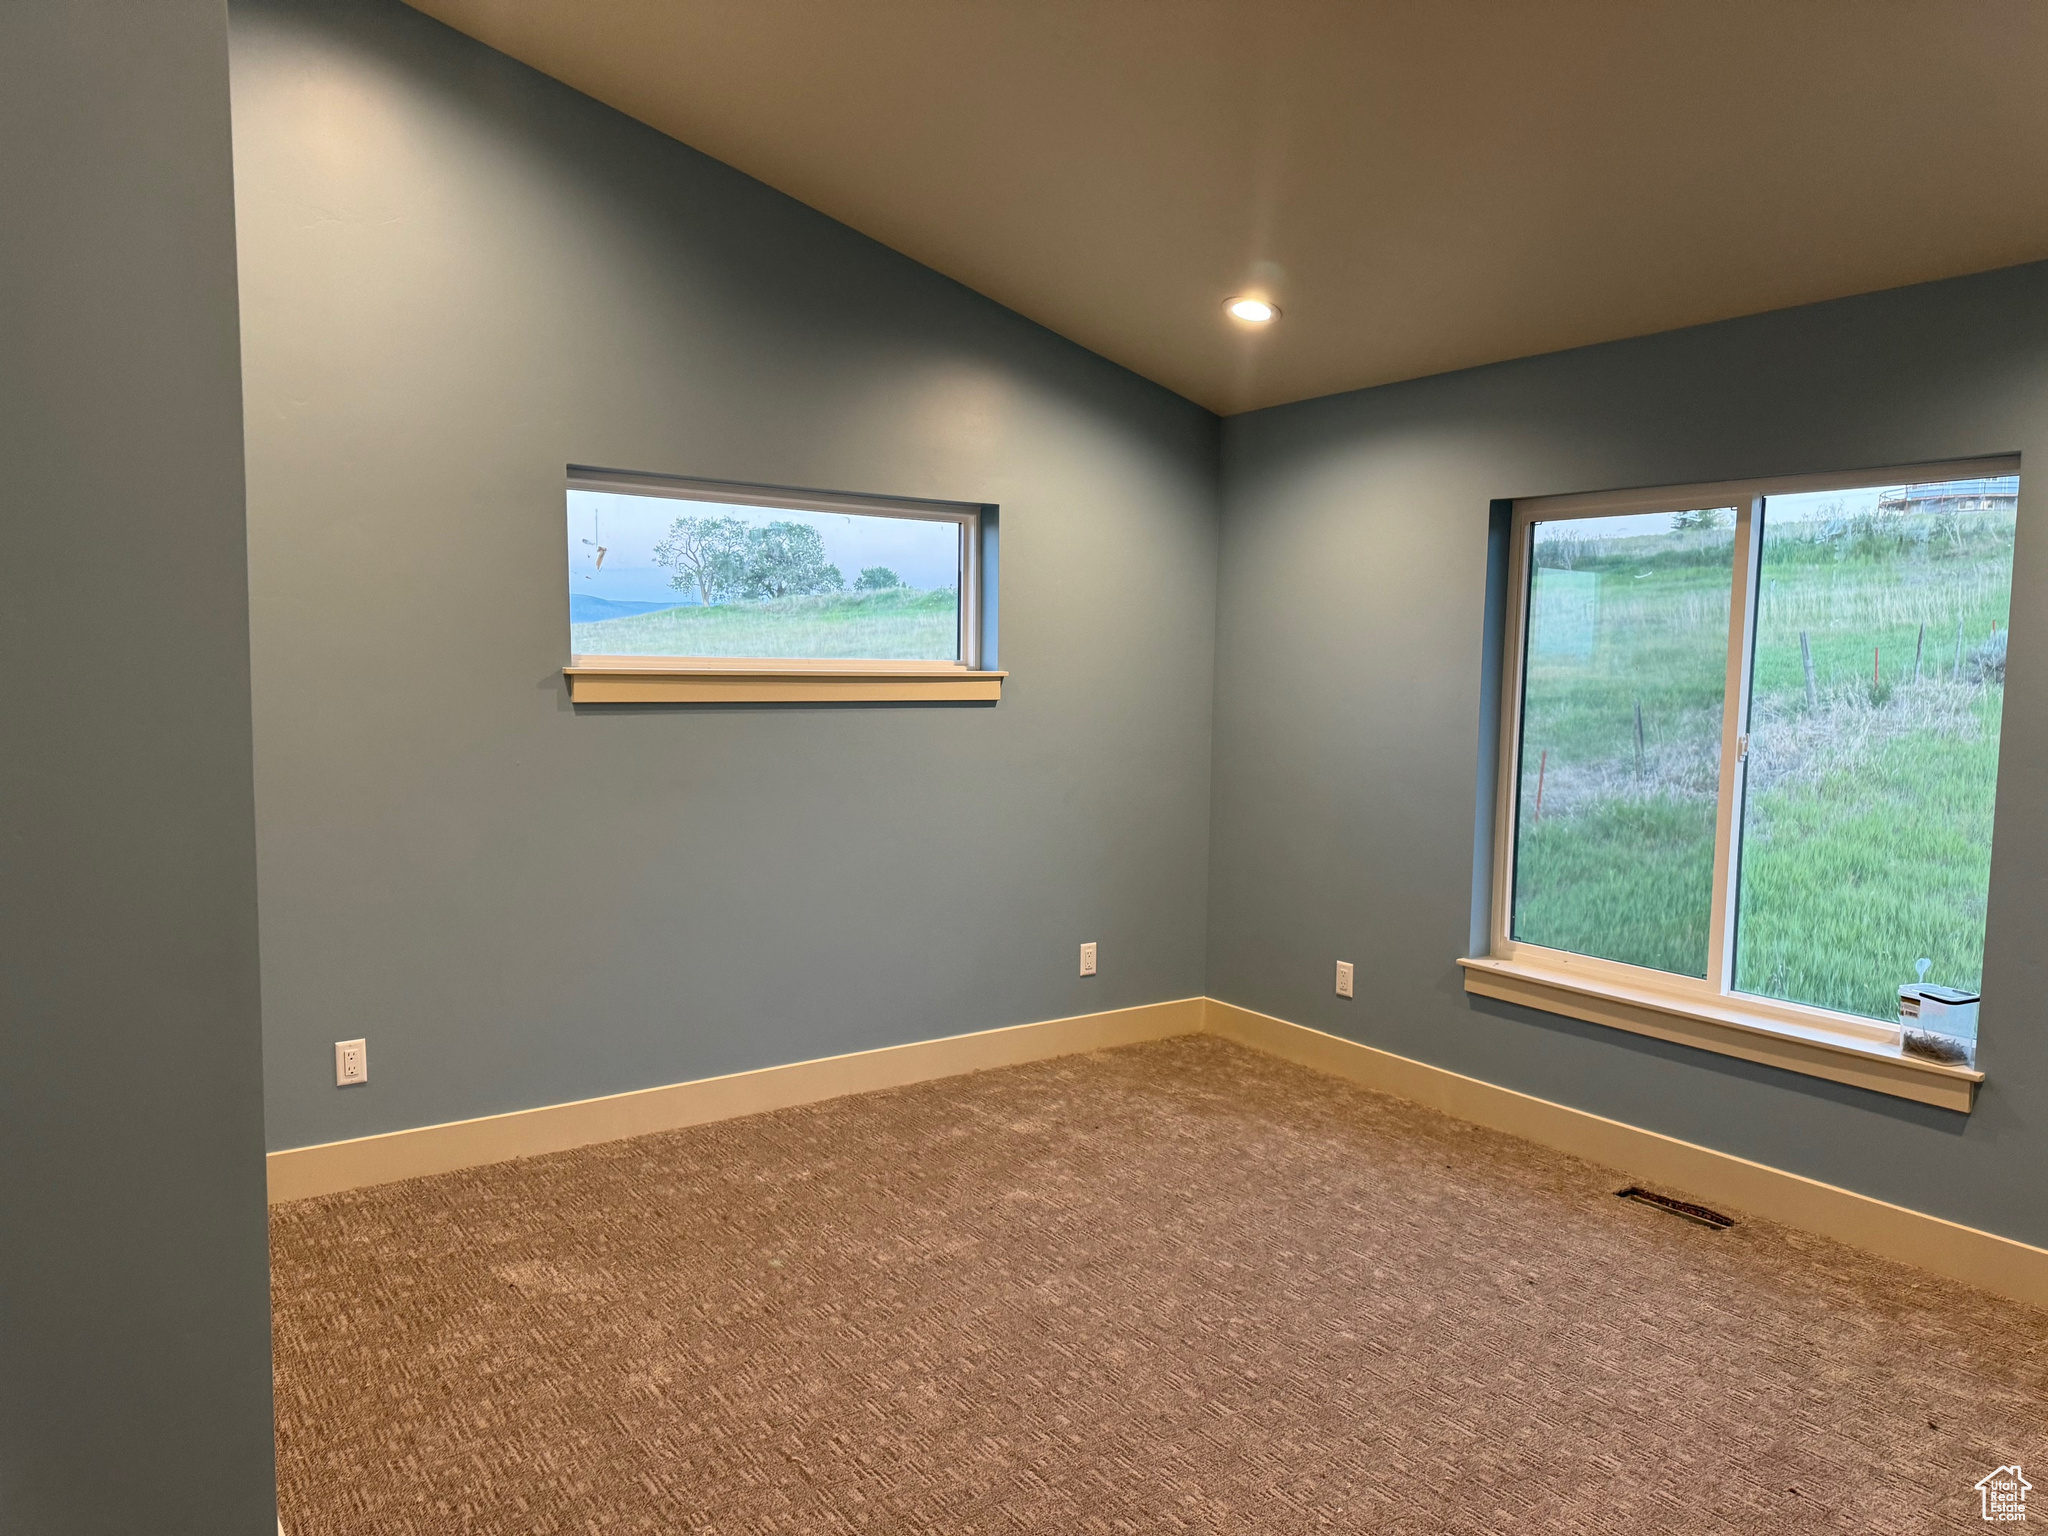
691, 591
1750, 763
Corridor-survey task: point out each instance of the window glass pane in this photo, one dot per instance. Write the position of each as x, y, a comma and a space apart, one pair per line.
1878, 682
1625, 676
658, 576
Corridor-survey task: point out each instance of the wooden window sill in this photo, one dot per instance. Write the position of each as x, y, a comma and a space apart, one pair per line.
632, 681
1725, 1026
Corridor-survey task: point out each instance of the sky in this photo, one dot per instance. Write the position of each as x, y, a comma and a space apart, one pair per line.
1634, 525
626, 527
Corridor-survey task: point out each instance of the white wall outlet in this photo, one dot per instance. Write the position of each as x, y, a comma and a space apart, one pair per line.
351, 1063
1087, 959
1343, 978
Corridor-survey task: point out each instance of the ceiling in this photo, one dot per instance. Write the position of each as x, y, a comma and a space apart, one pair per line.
1420, 184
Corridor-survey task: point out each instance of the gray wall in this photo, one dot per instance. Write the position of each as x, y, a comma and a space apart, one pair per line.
134, 1308
460, 277
1349, 721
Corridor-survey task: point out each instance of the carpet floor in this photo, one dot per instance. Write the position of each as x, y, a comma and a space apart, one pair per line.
1178, 1287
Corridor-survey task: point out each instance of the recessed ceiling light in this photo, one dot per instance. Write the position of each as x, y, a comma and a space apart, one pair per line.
1252, 311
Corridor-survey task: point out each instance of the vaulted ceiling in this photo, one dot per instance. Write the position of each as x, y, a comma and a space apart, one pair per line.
1421, 185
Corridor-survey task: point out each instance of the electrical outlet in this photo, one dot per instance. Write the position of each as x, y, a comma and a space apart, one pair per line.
1087, 959
1343, 978
351, 1063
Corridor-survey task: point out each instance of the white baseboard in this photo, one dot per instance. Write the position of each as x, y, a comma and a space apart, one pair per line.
1978, 1258
337, 1165
1948, 1248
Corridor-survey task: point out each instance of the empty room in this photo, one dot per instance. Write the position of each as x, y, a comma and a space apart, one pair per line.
1023, 766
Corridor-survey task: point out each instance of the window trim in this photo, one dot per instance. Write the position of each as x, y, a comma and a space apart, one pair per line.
600, 679
1705, 1012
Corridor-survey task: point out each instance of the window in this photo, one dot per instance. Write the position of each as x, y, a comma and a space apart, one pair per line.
734, 591
1749, 776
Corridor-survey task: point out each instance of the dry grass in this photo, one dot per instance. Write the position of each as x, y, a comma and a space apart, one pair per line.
1793, 746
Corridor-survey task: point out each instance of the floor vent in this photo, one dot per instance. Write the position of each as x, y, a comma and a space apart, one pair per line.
1698, 1213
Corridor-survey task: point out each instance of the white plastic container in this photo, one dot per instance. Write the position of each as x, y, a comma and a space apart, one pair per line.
1939, 1022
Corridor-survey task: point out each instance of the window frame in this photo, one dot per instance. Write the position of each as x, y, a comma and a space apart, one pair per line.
606, 679
1704, 1011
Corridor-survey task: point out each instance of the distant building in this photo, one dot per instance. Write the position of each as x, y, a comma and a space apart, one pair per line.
2001, 494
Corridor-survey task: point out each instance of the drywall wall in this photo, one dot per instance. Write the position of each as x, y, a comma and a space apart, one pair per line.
134, 1294
1352, 640
460, 277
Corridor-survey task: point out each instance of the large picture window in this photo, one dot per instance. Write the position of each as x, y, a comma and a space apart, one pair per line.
1752, 759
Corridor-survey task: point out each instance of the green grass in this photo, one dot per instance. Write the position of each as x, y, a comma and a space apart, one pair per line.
1628, 880
1847, 882
902, 624
1663, 643
1868, 823
1849, 612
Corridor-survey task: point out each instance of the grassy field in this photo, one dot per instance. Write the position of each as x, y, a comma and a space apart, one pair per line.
901, 624
1867, 830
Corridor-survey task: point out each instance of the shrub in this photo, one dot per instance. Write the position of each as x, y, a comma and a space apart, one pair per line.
1986, 664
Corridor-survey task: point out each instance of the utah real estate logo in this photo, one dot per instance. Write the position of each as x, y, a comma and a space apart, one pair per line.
2004, 1493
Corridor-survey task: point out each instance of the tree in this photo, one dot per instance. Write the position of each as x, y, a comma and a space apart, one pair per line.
877, 578
788, 560
708, 553
1701, 520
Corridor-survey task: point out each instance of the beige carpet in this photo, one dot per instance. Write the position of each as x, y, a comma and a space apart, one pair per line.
1173, 1288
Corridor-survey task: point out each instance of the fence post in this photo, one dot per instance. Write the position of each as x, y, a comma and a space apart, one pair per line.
1639, 738
1806, 656
1918, 646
